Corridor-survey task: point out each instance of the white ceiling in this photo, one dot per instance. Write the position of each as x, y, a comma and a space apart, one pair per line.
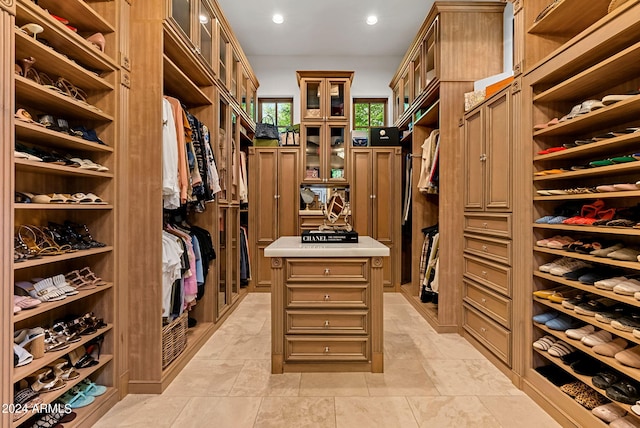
325, 27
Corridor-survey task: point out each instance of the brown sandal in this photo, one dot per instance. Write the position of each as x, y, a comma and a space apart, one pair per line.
70, 89
91, 277
78, 281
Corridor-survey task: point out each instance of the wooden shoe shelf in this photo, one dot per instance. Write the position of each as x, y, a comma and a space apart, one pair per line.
59, 52
567, 61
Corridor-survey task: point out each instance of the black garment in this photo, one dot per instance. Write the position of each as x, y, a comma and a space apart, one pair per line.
207, 254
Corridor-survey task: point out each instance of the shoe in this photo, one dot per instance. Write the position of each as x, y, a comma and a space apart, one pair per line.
579, 333
568, 267
45, 381
610, 349
23, 356
75, 398
63, 369
544, 317
609, 412
627, 323
605, 379
545, 343
563, 323
592, 307
31, 339
90, 388
97, 40
627, 288
624, 391
560, 349
598, 338
609, 283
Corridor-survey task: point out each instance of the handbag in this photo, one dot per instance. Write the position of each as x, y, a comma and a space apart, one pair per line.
267, 131
290, 138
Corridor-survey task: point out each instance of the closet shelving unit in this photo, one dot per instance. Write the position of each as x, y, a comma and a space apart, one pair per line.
429, 87
68, 55
186, 50
590, 58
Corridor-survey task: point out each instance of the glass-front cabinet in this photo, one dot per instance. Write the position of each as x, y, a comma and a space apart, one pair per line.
430, 66
233, 87
180, 13
223, 60
244, 89
207, 35
253, 96
194, 21
325, 152
325, 98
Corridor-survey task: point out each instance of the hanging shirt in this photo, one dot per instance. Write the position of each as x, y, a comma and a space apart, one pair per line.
170, 182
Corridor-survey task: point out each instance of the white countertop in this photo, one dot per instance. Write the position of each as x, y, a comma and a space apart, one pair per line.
290, 246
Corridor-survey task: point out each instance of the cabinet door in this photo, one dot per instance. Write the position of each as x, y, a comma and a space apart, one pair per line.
266, 166
313, 158
338, 99
207, 28
473, 161
335, 148
234, 253
222, 261
288, 191
180, 13
498, 154
360, 198
311, 94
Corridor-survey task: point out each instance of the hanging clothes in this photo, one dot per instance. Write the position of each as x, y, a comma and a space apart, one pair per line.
245, 267
170, 182
428, 182
178, 120
408, 189
244, 196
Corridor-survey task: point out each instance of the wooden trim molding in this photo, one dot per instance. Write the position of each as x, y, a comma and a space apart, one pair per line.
8, 6
516, 86
517, 69
517, 6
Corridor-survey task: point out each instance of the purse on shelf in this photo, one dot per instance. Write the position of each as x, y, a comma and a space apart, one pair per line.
267, 131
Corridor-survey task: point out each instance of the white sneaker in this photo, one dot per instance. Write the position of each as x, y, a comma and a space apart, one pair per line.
569, 267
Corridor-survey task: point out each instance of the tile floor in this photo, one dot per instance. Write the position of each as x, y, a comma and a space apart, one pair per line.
430, 380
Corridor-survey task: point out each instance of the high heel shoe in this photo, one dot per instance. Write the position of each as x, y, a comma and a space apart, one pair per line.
80, 359
32, 29
83, 231
94, 347
26, 64
31, 340
97, 40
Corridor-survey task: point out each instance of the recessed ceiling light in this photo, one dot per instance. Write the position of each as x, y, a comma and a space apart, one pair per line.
278, 19
372, 19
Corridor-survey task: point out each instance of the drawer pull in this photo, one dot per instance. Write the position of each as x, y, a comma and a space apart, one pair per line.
484, 248
327, 272
485, 273
485, 225
483, 330
326, 297
484, 301
326, 323
326, 349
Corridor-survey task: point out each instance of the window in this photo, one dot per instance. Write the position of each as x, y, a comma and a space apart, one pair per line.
277, 110
369, 112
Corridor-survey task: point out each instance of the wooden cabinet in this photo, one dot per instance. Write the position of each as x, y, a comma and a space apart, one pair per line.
326, 307
273, 205
86, 97
325, 123
597, 62
488, 259
375, 202
488, 155
167, 63
429, 86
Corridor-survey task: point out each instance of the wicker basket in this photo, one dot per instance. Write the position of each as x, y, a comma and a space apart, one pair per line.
174, 339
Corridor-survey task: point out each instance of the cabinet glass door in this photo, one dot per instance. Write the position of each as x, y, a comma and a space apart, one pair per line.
338, 100
206, 33
222, 260
396, 102
337, 152
223, 163
234, 237
222, 58
234, 160
417, 76
430, 53
313, 171
244, 83
311, 106
181, 14
253, 112
406, 91
234, 77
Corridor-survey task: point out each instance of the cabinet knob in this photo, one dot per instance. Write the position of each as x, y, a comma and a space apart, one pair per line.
482, 329
374, 196
484, 273
326, 297
484, 248
370, 196
485, 225
326, 323
484, 301
483, 157
326, 349
327, 272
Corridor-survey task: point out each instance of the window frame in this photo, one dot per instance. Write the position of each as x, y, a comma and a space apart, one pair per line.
364, 100
278, 100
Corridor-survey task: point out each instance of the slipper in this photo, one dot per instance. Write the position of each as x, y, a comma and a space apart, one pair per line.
589, 106
624, 391
626, 186
564, 295
625, 254
606, 188
544, 294
579, 333
605, 379
613, 314
545, 342
612, 348
563, 323
544, 317
545, 219
609, 412
603, 162
90, 388
598, 338
558, 219
574, 388
544, 193
614, 98
560, 349
551, 150
606, 251
626, 421
592, 307
555, 375
552, 122
623, 159
620, 222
